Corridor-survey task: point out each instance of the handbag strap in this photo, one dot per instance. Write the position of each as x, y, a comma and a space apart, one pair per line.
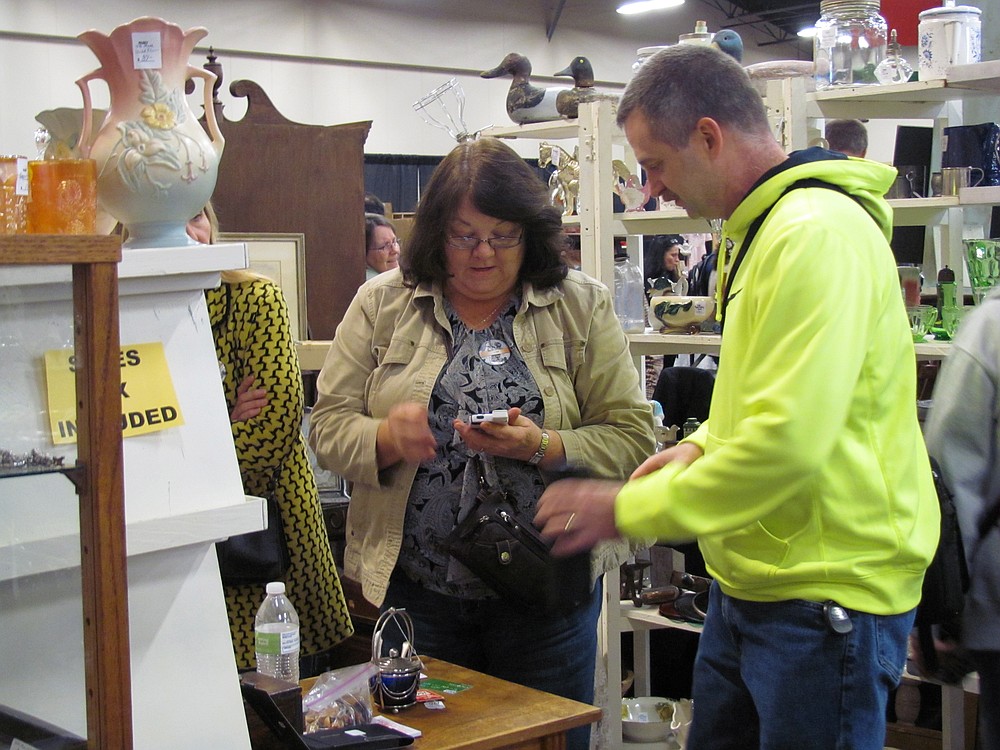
272, 483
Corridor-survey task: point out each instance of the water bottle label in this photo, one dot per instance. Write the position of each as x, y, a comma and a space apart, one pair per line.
274, 644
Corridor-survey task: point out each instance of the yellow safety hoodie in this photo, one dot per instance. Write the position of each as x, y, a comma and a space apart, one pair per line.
815, 482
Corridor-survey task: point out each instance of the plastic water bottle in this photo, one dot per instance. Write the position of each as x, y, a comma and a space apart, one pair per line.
630, 297
276, 635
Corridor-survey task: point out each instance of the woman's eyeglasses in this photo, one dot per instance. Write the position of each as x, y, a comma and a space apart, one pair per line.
497, 243
384, 248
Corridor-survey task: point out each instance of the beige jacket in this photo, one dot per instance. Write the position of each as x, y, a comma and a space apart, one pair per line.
390, 349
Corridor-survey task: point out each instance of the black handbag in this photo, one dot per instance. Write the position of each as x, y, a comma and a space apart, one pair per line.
513, 559
257, 557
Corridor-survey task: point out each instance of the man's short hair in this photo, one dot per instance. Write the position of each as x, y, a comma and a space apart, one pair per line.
847, 136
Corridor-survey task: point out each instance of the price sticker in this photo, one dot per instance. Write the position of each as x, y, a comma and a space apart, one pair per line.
21, 185
147, 50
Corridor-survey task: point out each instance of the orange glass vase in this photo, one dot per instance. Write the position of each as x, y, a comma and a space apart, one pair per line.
13, 195
62, 196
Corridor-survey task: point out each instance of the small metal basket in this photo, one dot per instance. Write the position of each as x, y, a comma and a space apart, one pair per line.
394, 686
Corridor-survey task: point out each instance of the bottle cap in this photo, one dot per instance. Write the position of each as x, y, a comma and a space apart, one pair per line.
946, 276
275, 587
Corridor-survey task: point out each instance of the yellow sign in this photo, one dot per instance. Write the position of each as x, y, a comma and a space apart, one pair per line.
149, 403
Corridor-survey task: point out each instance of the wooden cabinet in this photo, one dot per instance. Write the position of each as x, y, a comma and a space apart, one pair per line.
158, 668
97, 474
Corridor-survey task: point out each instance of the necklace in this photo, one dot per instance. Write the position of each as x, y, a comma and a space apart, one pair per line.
488, 318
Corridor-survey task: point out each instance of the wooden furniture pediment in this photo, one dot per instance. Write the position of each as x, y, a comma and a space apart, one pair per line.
282, 176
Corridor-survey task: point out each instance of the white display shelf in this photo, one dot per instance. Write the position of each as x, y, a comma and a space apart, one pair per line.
916, 99
979, 196
918, 212
649, 618
653, 343
153, 535
159, 269
655, 222
556, 130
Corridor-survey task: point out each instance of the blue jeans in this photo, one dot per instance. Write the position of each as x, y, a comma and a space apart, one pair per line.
556, 654
773, 675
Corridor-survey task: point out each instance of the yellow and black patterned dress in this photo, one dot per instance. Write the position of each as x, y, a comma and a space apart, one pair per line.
253, 336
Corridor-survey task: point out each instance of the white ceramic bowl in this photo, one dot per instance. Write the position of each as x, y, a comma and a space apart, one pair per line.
679, 313
646, 719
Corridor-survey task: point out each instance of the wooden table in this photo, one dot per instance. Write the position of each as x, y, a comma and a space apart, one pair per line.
493, 713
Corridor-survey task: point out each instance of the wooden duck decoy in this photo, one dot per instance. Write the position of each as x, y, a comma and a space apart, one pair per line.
525, 103
568, 102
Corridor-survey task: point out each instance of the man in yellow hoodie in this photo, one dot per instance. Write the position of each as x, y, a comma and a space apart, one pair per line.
808, 488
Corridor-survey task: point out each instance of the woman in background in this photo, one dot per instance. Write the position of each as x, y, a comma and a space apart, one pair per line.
263, 387
381, 245
665, 265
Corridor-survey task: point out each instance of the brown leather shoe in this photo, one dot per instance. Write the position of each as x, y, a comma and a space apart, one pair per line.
656, 596
688, 581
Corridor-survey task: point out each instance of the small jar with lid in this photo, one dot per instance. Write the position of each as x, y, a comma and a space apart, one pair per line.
700, 35
644, 53
851, 40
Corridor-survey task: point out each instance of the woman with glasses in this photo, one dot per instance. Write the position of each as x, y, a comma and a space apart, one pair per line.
381, 245
482, 315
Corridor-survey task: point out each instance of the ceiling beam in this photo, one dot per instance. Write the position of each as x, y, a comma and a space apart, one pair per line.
550, 29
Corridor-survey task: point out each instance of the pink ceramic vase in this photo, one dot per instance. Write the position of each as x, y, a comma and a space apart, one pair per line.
157, 166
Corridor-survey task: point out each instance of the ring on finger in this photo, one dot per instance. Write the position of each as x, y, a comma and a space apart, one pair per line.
569, 521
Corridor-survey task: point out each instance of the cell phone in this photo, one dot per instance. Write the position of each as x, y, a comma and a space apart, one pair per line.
497, 416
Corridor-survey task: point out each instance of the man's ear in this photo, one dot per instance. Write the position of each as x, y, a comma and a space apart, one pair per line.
708, 135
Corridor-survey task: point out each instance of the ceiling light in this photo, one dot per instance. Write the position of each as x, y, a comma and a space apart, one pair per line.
642, 6
807, 33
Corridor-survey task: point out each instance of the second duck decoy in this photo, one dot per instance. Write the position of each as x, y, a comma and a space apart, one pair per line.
568, 102
525, 103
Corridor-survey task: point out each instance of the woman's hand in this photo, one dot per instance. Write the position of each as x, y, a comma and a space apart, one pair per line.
405, 435
518, 439
685, 453
250, 401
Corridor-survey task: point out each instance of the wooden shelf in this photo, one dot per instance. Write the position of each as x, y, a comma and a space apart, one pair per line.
58, 249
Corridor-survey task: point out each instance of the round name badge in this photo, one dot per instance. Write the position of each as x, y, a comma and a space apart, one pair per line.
494, 352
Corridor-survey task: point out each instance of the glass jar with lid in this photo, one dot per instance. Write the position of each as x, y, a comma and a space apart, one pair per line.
850, 42
644, 53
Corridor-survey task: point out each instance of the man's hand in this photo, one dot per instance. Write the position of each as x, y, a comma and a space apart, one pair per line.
685, 453
577, 514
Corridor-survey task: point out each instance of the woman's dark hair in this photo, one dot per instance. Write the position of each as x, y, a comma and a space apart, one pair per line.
372, 221
500, 184
654, 255
374, 204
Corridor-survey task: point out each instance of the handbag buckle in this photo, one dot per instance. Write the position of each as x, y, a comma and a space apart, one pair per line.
505, 555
